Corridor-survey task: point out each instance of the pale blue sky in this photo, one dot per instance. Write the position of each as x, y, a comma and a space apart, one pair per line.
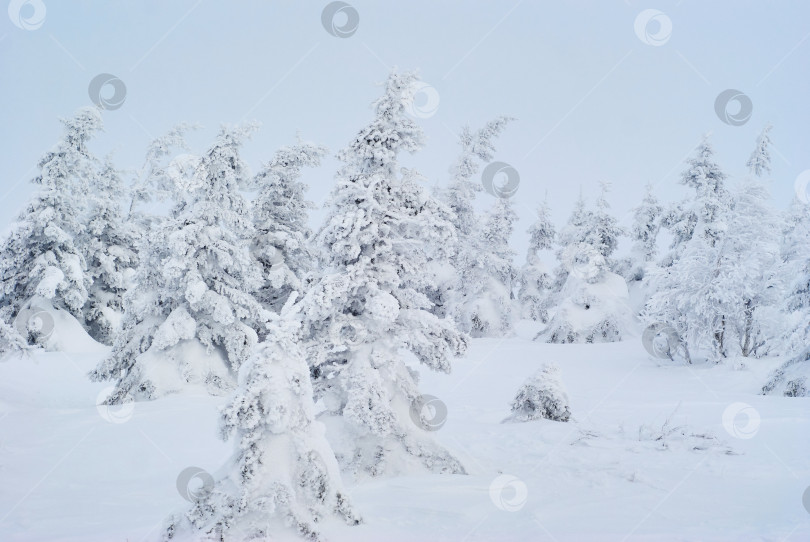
593, 101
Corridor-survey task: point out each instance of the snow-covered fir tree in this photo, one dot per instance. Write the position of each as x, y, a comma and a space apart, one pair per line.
281, 243
574, 232
690, 293
283, 476
491, 311
703, 213
109, 246
644, 234
472, 272
535, 279
366, 312
759, 163
434, 226
590, 300
603, 230
542, 396
11, 341
192, 318
40, 257
154, 182
792, 337
748, 266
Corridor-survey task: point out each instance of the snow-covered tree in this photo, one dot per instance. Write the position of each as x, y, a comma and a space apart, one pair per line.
40, 256
574, 232
644, 234
749, 259
489, 308
792, 337
109, 246
589, 300
11, 341
759, 163
437, 278
280, 213
367, 311
473, 273
535, 279
691, 293
704, 213
191, 317
155, 182
603, 230
542, 396
592, 305
283, 475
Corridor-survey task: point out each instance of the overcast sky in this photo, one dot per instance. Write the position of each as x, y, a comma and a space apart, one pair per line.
597, 93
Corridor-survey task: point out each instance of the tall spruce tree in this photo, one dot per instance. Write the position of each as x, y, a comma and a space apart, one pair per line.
195, 284
362, 315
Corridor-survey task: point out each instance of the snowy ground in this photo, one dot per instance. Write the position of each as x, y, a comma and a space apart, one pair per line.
72, 471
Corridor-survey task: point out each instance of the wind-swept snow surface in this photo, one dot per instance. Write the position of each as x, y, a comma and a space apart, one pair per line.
654, 450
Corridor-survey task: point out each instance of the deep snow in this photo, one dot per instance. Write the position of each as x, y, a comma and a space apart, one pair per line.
72, 471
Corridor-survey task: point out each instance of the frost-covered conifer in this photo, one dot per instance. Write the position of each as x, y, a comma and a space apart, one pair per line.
489, 312
535, 280
191, 317
280, 213
692, 294
542, 396
644, 233
704, 213
283, 476
759, 163
367, 311
589, 300
40, 256
109, 246
602, 228
468, 300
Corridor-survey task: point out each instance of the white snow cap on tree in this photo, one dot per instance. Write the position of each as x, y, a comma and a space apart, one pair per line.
283, 476
362, 316
542, 396
195, 283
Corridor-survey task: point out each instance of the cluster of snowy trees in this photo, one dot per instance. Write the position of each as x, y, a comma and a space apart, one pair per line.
309, 332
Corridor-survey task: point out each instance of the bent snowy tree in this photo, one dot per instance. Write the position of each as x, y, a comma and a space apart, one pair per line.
283, 475
191, 318
362, 315
40, 257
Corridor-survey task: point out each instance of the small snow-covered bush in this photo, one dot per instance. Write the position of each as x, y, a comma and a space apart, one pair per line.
541, 396
790, 379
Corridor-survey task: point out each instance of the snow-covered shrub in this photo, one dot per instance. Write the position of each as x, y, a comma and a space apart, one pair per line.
542, 396
791, 377
283, 475
593, 306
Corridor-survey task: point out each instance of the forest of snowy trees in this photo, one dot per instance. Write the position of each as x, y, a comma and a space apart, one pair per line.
311, 333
